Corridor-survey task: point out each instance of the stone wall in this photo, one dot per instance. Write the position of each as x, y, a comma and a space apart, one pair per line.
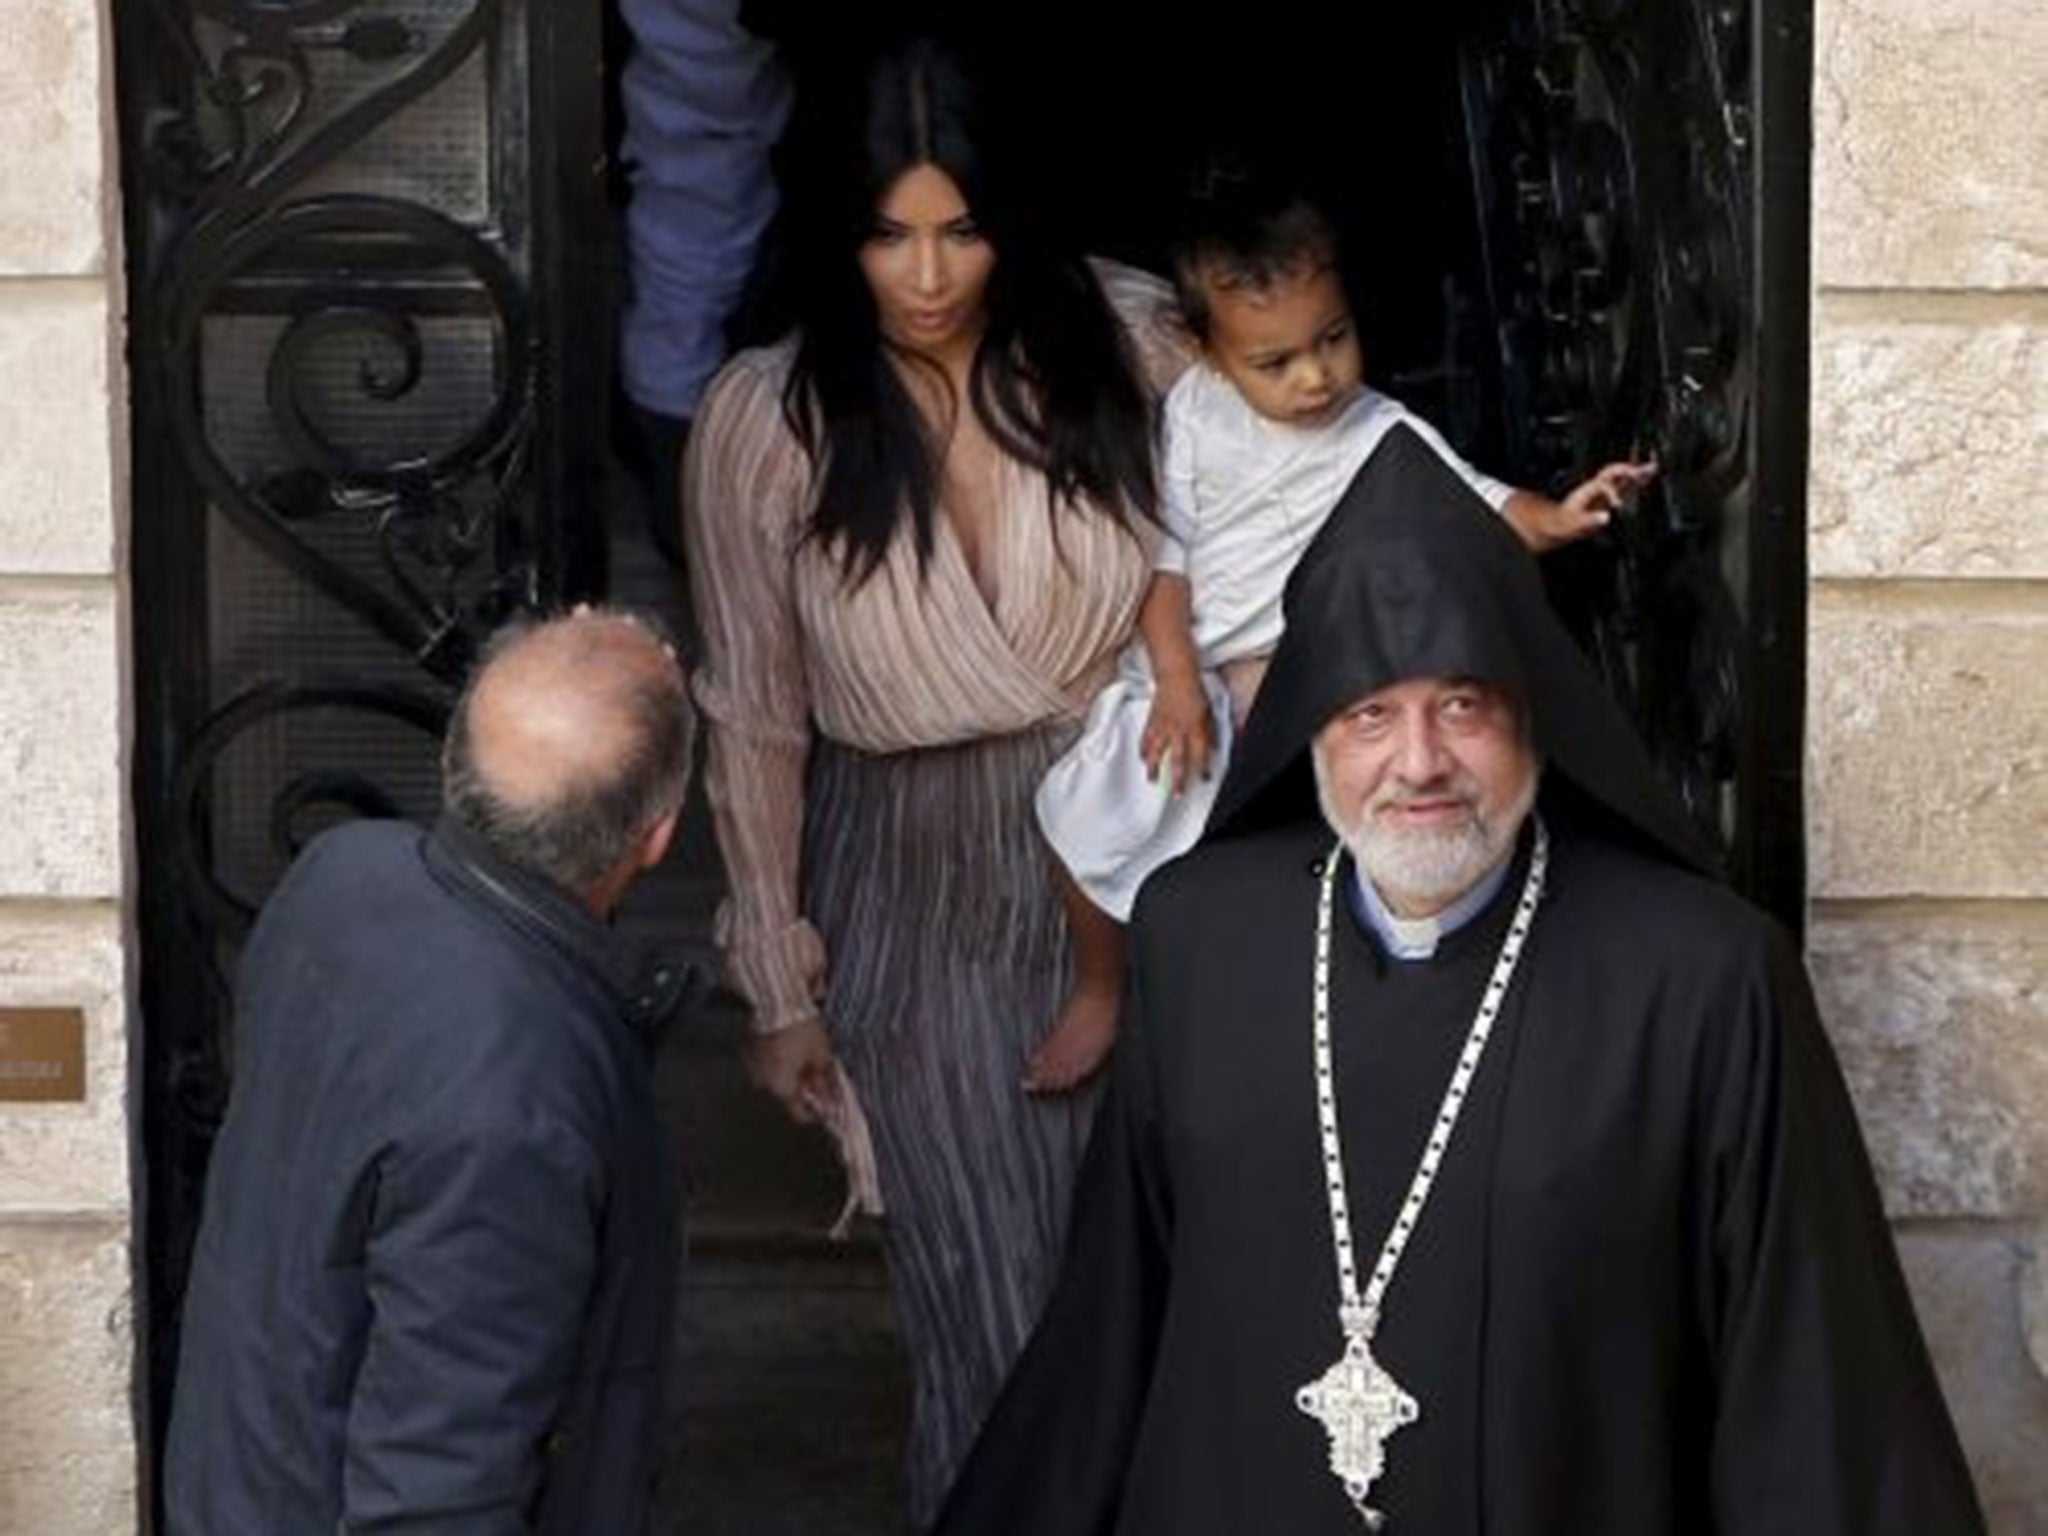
1927, 736
67, 1434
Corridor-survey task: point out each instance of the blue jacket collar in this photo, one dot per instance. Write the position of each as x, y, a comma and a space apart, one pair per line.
647, 984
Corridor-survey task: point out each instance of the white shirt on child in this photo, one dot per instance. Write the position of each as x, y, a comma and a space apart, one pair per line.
1243, 495
1242, 498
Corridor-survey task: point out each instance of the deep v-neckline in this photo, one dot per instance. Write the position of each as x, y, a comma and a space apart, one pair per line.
983, 576
978, 623
983, 554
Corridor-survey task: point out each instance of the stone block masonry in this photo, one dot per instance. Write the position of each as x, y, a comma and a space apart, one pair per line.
68, 1464
1927, 724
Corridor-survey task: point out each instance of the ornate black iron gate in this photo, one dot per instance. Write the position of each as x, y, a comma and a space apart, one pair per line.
364, 344
367, 253
1640, 178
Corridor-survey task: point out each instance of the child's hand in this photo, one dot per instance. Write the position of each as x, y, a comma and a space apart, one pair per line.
1179, 733
1587, 508
1590, 504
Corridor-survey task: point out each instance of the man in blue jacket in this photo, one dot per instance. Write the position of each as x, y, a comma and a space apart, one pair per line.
431, 1291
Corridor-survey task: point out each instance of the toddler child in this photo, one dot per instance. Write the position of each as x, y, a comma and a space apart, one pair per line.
1261, 438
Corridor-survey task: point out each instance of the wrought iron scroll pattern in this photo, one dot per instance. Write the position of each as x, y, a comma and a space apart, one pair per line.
449, 559
435, 515
1610, 147
254, 134
237, 149
346, 790
449, 555
201, 1067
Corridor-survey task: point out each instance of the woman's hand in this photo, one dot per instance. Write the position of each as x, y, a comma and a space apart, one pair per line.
1179, 734
796, 1065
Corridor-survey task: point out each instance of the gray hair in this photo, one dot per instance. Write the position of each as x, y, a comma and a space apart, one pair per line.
591, 821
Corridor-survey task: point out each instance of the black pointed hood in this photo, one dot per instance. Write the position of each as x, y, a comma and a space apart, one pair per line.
1414, 576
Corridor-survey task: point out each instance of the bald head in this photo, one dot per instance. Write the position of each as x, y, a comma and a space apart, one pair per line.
571, 745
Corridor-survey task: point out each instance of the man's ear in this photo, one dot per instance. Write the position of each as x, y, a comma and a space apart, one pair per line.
654, 842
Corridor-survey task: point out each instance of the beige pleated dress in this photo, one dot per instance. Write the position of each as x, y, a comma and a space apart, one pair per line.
873, 752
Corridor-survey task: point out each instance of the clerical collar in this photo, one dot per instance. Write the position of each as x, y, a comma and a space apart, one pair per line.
1416, 938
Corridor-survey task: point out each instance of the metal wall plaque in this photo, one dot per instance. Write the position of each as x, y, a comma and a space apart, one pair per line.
42, 1055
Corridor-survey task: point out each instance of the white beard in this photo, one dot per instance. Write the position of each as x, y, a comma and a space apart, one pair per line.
1425, 869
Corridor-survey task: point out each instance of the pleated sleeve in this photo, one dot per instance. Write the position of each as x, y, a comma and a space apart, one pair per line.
745, 489
1145, 305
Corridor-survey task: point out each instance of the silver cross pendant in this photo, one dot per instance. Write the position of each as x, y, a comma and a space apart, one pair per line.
1359, 1405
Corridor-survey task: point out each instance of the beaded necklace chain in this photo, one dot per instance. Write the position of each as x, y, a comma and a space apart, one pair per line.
1357, 1402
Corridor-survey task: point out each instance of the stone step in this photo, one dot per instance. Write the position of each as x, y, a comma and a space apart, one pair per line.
791, 1400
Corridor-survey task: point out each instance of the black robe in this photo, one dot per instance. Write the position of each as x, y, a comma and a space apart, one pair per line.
1652, 1292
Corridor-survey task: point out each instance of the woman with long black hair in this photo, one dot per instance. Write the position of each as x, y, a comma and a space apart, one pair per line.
918, 533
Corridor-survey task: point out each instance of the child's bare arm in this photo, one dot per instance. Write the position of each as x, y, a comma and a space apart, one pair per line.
1545, 524
1178, 726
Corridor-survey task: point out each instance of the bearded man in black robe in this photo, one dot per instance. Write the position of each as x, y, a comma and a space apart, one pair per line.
1474, 1160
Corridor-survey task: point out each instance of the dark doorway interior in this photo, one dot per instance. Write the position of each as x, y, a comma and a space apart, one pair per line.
373, 287
1550, 228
